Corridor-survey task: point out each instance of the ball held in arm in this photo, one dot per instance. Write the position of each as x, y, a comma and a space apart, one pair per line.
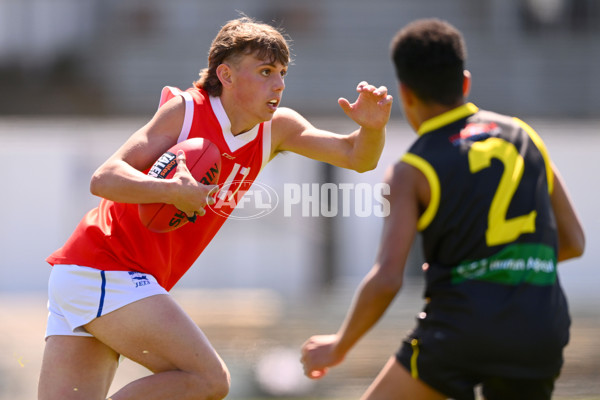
203, 160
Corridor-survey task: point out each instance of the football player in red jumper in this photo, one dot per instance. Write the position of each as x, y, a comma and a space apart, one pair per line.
108, 290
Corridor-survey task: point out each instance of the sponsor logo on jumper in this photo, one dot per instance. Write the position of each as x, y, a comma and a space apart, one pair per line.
475, 131
481, 267
229, 156
516, 264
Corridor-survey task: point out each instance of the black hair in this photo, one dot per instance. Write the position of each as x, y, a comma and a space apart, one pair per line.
429, 57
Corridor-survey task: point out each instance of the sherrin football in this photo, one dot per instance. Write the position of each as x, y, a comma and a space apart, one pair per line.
203, 160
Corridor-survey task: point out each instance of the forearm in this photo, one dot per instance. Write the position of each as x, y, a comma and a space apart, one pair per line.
118, 181
367, 146
373, 297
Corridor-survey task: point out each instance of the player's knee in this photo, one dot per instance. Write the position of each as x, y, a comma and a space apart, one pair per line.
212, 387
220, 383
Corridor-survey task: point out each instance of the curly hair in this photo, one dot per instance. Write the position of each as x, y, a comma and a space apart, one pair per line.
239, 37
429, 57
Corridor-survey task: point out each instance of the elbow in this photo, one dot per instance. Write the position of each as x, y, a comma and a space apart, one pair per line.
389, 283
568, 254
96, 184
577, 249
365, 167
573, 249
393, 286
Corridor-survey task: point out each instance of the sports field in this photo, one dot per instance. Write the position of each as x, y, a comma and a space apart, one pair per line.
258, 311
258, 335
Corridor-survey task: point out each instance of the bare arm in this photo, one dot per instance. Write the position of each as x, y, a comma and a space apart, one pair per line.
359, 150
120, 178
571, 238
382, 283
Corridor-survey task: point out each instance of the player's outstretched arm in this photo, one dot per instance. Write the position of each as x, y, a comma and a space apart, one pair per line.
571, 238
359, 150
382, 283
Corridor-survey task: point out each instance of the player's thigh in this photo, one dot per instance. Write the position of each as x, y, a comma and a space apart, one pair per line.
156, 333
76, 367
395, 382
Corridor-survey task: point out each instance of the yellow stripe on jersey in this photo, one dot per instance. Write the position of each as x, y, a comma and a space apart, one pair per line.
434, 187
539, 143
414, 371
447, 118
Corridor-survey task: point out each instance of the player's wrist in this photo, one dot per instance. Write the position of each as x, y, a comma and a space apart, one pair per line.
171, 191
340, 347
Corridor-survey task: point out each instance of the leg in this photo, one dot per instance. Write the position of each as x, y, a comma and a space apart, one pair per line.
76, 367
395, 382
156, 333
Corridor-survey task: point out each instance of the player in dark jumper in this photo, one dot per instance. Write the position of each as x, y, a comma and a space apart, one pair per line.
495, 219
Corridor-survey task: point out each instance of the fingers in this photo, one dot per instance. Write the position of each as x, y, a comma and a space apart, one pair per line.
211, 194
181, 159
316, 373
366, 87
207, 193
381, 92
310, 370
316, 356
211, 191
345, 104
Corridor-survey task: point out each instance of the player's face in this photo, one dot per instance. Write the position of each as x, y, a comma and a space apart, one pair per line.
258, 87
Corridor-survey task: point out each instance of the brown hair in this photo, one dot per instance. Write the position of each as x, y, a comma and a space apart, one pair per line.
238, 37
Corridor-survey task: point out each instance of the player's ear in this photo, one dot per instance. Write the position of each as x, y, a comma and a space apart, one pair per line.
224, 74
466, 83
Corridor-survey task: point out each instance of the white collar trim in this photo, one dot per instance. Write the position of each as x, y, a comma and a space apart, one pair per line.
233, 142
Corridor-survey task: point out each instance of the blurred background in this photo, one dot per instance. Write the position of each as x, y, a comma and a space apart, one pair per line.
77, 77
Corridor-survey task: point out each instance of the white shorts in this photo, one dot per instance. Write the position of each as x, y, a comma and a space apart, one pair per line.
77, 295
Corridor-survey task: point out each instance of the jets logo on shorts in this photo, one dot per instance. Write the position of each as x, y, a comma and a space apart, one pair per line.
139, 279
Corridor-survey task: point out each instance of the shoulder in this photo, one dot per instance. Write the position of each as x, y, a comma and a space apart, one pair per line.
199, 95
288, 122
172, 109
415, 180
406, 177
502, 120
486, 115
169, 117
191, 96
408, 193
286, 117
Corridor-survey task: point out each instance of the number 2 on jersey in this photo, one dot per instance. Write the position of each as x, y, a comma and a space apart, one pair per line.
500, 229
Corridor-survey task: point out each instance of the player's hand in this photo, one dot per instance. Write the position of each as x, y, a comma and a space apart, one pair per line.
372, 108
319, 354
193, 196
